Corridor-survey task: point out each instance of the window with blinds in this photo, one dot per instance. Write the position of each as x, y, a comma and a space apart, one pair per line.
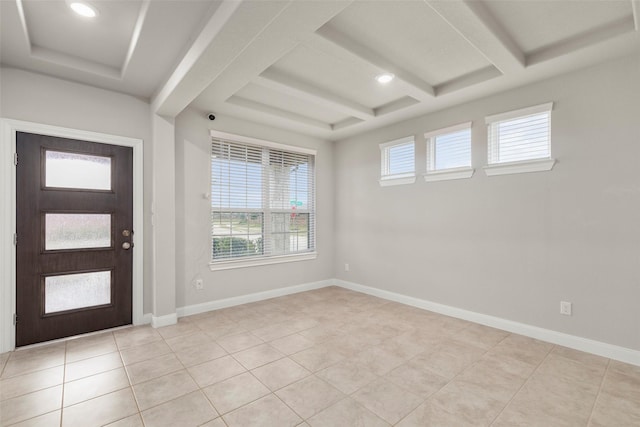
397, 162
262, 201
449, 148
520, 135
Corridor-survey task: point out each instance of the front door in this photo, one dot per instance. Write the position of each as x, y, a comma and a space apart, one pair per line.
74, 216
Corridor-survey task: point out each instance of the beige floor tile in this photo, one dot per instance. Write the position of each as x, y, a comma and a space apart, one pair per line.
413, 377
292, 344
183, 327
488, 380
182, 342
92, 346
272, 332
219, 331
379, 360
153, 368
51, 419
239, 342
387, 400
30, 405
309, 396
20, 363
257, 356
101, 410
28, 383
218, 422
622, 385
187, 411
317, 357
268, 411
323, 332
280, 373
135, 336
200, 353
346, 413
163, 389
525, 349
215, 370
347, 376
588, 359
143, 352
131, 421
429, 414
235, 392
469, 402
615, 411
625, 368
560, 366
95, 365
507, 365
445, 364
96, 385
481, 336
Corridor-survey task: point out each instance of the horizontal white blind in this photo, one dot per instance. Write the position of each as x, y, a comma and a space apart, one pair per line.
449, 151
521, 138
398, 160
262, 201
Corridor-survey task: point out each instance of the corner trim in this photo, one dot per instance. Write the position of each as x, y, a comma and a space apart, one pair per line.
244, 299
599, 348
166, 320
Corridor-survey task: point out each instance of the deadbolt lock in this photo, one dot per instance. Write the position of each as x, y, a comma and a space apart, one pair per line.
126, 233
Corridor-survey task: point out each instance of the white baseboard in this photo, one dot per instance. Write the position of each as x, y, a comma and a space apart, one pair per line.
166, 320
244, 299
146, 319
610, 351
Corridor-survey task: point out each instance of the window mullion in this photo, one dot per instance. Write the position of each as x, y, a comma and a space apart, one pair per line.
266, 204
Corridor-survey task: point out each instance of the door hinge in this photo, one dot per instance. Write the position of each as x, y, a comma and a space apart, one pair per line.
15, 319
15, 159
15, 239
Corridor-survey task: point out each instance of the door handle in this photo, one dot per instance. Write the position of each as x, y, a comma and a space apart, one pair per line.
126, 246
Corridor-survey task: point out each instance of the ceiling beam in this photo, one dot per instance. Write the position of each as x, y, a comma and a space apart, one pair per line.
635, 6
232, 26
423, 89
474, 22
293, 86
479, 76
277, 112
142, 15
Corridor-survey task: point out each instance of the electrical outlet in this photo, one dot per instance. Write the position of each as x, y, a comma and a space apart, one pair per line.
565, 308
199, 284
346, 267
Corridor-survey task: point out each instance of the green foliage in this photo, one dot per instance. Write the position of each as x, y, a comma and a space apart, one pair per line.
231, 247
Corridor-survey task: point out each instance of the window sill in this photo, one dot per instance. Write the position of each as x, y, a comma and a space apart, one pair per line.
242, 263
387, 182
444, 175
520, 167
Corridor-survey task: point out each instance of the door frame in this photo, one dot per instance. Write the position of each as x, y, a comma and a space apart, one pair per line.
8, 130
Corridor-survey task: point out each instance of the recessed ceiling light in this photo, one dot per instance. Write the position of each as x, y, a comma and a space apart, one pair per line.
83, 9
384, 78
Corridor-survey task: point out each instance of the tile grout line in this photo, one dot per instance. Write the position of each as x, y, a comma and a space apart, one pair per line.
523, 385
595, 401
64, 378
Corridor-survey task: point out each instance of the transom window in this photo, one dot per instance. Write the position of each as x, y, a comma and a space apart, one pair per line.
449, 148
262, 200
397, 162
520, 135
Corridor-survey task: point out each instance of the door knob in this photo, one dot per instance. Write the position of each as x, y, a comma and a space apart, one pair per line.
127, 245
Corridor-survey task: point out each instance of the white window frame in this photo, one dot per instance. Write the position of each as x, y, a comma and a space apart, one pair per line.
387, 179
494, 168
433, 174
274, 259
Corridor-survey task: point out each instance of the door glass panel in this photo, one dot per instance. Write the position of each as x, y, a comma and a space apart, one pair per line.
73, 291
77, 231
73, 170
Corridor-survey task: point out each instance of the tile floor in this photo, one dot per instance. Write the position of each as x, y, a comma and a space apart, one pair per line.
329, 357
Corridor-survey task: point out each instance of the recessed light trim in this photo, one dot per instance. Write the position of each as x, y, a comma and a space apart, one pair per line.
83, 9
384, 78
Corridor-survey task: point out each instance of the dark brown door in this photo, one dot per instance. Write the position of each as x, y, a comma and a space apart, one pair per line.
74, 238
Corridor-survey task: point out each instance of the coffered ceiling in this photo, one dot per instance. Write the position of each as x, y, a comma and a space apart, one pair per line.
310, 66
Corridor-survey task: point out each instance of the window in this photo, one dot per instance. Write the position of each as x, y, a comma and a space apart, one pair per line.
262, 202
398, 162
449, 153
520, 136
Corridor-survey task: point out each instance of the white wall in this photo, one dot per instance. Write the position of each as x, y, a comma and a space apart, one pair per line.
193, 228
37, 98
511, 246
